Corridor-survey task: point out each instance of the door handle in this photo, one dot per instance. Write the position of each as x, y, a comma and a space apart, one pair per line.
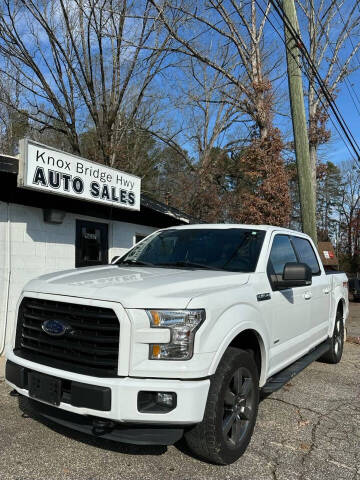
307, 295
326, 291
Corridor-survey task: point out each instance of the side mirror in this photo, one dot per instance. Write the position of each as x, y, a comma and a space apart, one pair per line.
294, 275
297, 274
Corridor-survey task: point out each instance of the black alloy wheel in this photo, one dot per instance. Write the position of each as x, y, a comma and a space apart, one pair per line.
338, 337
231, 410
336, 342
238, 406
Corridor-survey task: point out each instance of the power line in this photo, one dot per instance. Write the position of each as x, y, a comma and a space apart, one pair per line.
302, 68
328, 96
347, 82
322, 85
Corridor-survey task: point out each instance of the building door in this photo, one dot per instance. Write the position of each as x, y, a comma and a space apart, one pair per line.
92, 243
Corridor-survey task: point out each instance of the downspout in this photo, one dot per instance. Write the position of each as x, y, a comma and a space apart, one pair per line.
2, 345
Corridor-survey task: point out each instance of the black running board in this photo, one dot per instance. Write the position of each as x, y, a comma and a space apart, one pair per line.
284, 376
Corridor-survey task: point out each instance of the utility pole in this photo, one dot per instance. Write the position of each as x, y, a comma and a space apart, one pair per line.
307, 194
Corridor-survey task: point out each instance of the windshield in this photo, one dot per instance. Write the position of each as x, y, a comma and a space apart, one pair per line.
231, 249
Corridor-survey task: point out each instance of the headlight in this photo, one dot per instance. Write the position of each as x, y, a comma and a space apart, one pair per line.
182, 325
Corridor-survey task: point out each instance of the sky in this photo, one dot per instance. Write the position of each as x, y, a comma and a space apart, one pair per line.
336, 150
348, 96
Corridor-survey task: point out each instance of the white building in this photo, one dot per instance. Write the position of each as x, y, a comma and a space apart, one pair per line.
41, 232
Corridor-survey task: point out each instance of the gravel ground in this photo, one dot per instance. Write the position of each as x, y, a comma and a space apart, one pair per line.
353, 325
310, 429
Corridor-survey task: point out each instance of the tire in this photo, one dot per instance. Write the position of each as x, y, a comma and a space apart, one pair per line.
231, 410
334, 354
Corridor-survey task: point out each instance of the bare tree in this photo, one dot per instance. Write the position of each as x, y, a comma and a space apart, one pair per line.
210, 128
199, 118
350, 210
13, 124
211, 120
74, 63
331, 28
205, 119
228, 37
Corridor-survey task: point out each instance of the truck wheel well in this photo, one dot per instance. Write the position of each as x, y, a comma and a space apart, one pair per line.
248, 340
340, 307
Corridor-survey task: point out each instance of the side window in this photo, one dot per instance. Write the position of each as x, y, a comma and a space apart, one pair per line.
281, 252
306, 254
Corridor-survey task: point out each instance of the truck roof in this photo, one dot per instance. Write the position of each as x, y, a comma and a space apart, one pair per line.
268, 228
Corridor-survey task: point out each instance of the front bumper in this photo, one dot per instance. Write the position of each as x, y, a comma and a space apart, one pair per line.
118, 432
123, 391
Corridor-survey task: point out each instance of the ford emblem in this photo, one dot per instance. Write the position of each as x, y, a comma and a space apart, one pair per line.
55, 328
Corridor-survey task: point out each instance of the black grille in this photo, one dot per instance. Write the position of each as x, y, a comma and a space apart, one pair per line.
91, 348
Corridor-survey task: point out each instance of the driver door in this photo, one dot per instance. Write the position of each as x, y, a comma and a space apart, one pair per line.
289, 310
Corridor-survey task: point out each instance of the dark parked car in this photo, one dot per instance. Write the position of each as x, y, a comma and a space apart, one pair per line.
354, 289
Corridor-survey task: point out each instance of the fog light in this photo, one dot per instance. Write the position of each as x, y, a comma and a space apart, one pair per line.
166, 399
156, 402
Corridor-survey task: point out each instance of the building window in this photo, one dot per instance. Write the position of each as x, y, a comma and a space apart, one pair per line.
91, 243
138, 238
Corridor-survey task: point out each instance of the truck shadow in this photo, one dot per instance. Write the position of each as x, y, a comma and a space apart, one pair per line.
103, 443
98, 442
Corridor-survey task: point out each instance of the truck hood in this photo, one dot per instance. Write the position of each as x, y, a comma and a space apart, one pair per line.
137, 287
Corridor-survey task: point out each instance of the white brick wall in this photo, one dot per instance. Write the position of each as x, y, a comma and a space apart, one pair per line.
38, 248
122, 236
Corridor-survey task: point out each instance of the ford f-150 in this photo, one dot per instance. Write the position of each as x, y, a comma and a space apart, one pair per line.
179, 336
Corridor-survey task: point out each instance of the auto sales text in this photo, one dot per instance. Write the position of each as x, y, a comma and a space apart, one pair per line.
99, 189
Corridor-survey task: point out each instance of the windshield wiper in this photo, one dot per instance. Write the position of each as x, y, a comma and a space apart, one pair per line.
136, 262
188, 264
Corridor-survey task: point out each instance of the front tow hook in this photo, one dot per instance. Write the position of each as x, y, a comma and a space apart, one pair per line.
100, 427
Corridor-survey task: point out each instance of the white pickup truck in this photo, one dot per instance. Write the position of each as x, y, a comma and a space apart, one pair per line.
179, 336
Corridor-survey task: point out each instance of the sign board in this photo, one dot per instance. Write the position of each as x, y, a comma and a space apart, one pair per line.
54, 171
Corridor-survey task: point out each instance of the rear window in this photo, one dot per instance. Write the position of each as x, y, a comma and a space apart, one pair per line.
306, 254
